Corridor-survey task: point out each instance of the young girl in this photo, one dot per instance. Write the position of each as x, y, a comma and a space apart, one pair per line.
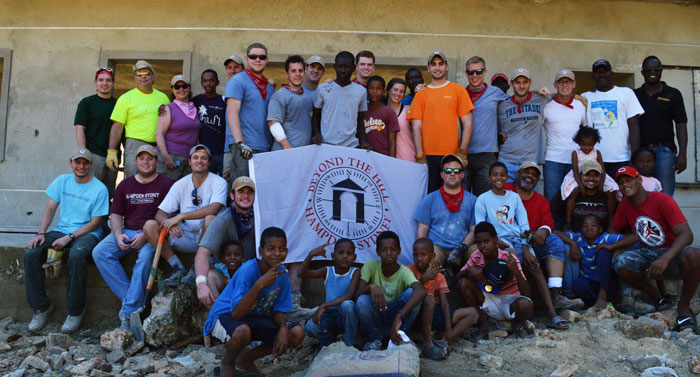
231, 257
644, 160
405, 149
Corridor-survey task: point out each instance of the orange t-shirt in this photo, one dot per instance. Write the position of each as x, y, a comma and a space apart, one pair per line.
440, 110
437, 285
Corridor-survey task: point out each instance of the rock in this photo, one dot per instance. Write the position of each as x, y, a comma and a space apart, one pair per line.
173, 317
116, 357
17, 373
160, 364
9, 337
545, 344
498, 334
6, 322
59, 340
56, 361
4, 347
662, 318
491, 361
82, 369
100, 364
37, 341
694, 365
36, 363
116, 339
564, 370
84, 352
659, 372
646, 362
99, 373
189, 371
134, 349
570, 315
185, 361
140, 364
204, 357
641, 327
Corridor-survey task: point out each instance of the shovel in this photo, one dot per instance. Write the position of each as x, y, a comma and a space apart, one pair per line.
135, 317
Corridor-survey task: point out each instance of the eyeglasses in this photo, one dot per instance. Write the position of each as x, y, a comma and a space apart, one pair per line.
652, 70
452, 170
473, 72
100, 69
196, 200
183, 86
256, 57
139, 74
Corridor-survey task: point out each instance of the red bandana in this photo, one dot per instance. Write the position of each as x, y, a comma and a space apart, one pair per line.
260, 82
358, 83
520, 103
452, 201
474, 95
295, 91
568, 104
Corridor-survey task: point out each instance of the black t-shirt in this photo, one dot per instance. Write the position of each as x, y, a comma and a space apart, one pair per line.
660, 111
212, 115
596, 205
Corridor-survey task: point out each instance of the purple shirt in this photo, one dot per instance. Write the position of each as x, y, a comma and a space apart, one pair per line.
138, 202
183, 132
378, 123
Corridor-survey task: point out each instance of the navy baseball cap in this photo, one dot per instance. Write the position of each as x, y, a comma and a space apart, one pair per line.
497, 274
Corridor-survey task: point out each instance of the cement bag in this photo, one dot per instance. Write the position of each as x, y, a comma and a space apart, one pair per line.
338, 359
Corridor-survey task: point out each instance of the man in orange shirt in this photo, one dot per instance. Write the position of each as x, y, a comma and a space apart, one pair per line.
435, 115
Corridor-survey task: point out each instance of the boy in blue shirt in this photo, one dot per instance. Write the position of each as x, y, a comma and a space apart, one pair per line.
337, 314
253, 306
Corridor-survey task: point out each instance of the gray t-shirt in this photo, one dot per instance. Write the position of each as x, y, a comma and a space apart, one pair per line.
339, 107
293, 111
222, 230
524, 129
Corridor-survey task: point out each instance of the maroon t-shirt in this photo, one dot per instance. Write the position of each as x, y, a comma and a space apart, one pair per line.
138, 202
378, 123
653, 220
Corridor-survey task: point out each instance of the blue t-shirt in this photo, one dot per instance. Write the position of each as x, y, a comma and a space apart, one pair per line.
485, 120
277, 297
311, 93
337, 285
211, 111
253, 113
506, 213
447, 229
407, 100
588, 252
79, 202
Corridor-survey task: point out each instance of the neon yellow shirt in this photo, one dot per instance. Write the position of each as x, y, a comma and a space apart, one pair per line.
138, 112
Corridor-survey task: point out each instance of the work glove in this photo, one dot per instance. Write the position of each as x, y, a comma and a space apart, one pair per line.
582, 99
52, 267
420, 158
462, 154
246, 151
112, 160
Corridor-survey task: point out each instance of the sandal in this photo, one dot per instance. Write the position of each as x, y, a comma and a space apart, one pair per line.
558, 323
434, 353
686, 322
440, 343
663, 304
477, 335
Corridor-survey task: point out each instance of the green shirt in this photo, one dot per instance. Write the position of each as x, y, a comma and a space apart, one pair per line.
93, 113
138, 112
392, 286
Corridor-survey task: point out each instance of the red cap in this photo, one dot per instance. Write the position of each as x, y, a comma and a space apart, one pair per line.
627, 170
497, 75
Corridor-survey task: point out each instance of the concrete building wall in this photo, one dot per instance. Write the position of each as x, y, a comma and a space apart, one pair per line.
56, 47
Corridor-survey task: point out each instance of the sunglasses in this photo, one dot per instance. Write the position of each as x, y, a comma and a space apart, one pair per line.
475, 72
652, 70
452, 170
256, 57
183, 86
196, 200
100, 69
139, 74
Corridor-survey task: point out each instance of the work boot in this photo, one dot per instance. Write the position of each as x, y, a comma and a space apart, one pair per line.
636, 305
560, 301
39, 319
125, 324
174, 279
72, 323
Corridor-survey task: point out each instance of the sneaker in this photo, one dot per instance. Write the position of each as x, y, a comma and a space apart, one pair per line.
189, 278
374, 345
455, 257
174, 279
39, 319
637, 306
72, 323
125, 324
562, 302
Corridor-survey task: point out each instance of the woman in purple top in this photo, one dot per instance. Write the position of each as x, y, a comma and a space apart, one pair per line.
178, 131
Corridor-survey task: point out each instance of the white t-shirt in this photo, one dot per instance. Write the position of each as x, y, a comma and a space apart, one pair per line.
180, 198
561, 124
608, 112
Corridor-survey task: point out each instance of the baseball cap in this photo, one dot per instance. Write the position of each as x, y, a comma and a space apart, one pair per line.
437, 53
628, 171
449, 158
241, 182
497, 274
198, 147
177, 78
521, 72
81, 153
529, 164
564, 73
234, 58
589, 165
148, 148
497, 75
315, 59
602, 63
143, 64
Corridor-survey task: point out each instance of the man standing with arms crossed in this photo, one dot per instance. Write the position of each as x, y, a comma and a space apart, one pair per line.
435, 115
92, 126
136, 112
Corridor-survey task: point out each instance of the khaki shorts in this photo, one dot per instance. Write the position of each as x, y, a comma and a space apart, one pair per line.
498, 306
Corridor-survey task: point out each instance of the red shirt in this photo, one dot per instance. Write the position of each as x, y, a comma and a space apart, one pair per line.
653, 220
538, 211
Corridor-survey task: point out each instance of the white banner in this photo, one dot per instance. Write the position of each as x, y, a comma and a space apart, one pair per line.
319, 194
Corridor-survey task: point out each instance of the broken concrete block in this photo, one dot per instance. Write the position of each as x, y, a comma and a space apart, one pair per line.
116, 357
56, 339
36, 363
491, 361
564, 370
116, 339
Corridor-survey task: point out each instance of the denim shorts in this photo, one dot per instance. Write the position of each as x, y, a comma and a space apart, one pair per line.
639, 260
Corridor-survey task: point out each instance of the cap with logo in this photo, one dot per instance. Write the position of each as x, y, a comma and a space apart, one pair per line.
437, 53
148, 148
241, 182
81, 153
143, 64
564, 73
499, 75
496, 274
234, 58
315, 59
449, 158
602, 63
628, 171
200, 147
589, 165
530, 164
177, 78
521, 72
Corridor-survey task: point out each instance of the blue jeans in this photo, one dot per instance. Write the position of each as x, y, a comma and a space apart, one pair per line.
554, 173
611, 168
512, 169
334, 320
131, 292
553, 247
663, 170
571, 271
378, 324
587, 287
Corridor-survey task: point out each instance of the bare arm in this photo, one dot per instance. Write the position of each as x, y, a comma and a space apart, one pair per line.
115, 135
392, 144
354, 282
682, 135
574, 168
233, 108
361, 136
469, 238
284, 142
211, 209
316, 126
633, 125
46, 218
80, 136
362, 289
417, 126
467, 128
304, 272
422, 230
162, 128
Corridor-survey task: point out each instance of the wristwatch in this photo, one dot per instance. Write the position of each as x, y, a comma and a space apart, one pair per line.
71, 235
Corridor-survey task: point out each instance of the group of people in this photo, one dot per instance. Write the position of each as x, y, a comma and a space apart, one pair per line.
482, 229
